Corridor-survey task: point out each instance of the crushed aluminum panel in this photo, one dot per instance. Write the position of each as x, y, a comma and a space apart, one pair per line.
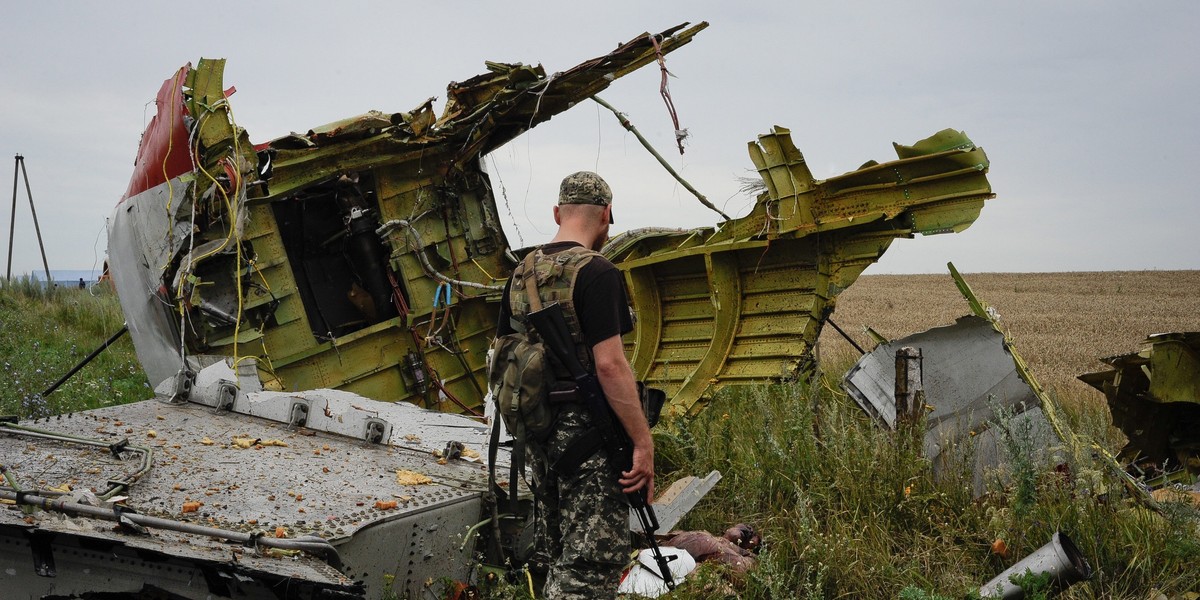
672, 505
154, 331
319, 484
745, 302
967, 373
1154, 398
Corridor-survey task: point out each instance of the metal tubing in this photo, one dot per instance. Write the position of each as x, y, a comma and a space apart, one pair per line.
313, 544
1060, 558
85, 361
845, 335
116, 485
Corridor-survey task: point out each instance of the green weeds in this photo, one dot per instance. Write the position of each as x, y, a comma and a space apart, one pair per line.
44, 332
848, 509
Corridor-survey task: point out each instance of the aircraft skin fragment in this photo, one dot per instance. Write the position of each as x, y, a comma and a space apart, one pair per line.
969, 380
1080, 447
972, 368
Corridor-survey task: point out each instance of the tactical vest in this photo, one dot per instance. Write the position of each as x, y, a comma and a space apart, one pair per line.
555, 276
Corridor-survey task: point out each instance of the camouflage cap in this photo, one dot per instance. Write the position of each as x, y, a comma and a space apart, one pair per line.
584, 187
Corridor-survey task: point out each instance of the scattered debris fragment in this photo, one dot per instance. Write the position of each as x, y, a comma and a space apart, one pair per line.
244, 442
1059, 559
1154, 397
1024, 396
406, 477
643, 578
969, 380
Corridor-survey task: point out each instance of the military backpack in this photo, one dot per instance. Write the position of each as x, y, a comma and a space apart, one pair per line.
521, 374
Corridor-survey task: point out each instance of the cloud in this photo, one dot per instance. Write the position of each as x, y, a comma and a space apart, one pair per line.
1084, 107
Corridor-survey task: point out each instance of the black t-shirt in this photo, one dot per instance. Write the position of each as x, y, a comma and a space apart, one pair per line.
599, 298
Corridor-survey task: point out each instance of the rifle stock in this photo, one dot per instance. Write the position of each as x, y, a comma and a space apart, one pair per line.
551, 325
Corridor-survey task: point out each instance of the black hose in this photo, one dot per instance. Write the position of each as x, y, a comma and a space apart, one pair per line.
848, 338
86, 360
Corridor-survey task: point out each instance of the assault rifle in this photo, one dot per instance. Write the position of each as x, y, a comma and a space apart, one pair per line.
556, 336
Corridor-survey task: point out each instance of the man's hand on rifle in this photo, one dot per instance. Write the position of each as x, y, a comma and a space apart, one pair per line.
620, 388
641, 475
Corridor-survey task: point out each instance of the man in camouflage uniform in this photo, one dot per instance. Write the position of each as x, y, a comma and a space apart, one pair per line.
584, 526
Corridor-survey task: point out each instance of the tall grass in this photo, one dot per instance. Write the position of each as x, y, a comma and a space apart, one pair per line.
849, 510
846, 509
44, 332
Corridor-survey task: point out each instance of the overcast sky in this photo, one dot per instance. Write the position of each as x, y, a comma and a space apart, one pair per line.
1087, 109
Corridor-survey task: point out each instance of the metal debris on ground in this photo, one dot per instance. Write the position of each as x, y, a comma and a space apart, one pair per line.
969, 381
970, 368
1154, 397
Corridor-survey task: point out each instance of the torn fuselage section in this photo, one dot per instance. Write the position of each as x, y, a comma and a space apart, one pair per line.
1154, 398
365, 255
744, 302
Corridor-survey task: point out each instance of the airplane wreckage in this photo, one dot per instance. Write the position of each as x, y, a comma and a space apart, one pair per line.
1154, 397
301, 305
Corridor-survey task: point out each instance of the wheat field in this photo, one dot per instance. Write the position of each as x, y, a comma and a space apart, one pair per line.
1061, 323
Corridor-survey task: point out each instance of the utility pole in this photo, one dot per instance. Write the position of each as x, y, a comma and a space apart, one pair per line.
19, 167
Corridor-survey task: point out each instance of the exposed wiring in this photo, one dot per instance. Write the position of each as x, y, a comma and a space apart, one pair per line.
433, 315
507, 205
230, 164
233, 170
419, 249
665, 92
485, 271
176, 86
402, 308
545, 85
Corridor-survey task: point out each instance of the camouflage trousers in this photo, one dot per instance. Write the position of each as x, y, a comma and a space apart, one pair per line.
583, 527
